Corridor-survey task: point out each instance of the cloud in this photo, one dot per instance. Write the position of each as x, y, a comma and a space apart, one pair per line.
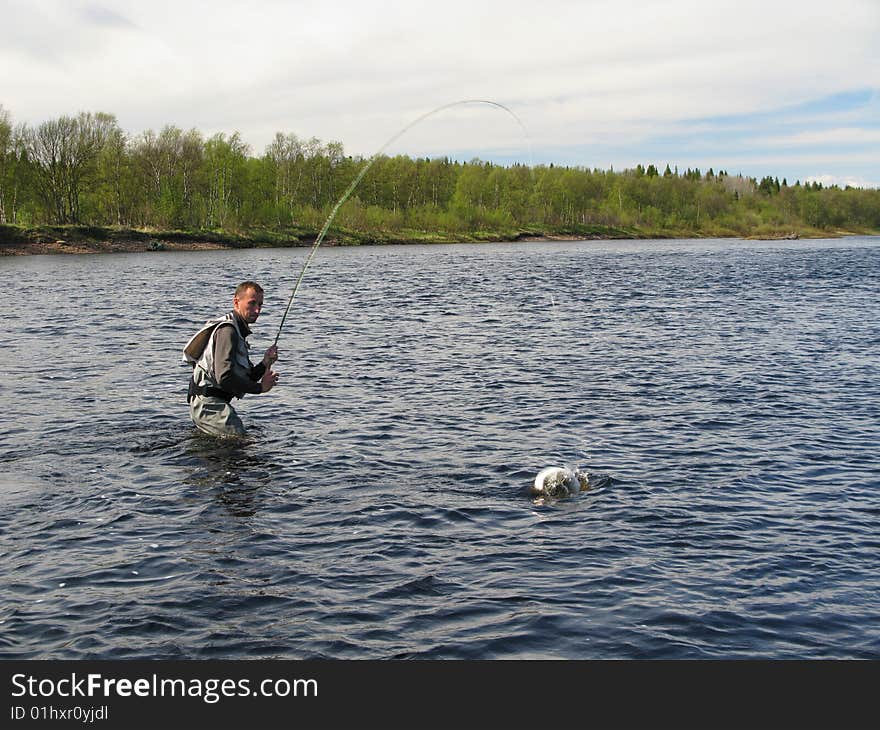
839, 137
102, 16
614, 77
842, 182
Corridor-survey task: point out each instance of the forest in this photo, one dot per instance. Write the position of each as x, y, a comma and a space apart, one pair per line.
85, 170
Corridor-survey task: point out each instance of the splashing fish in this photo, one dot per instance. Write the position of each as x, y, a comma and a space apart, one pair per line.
559, 481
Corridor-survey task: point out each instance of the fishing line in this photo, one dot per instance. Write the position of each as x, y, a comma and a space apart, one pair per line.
363, 172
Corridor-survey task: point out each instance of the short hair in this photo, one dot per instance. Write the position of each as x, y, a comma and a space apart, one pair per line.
245, 286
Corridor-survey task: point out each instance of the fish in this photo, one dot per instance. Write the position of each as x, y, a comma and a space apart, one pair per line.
559, 481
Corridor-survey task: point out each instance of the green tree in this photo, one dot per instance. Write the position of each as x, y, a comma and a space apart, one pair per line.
115, 175
225, 163
64, 152
170, 164
285, 155
6, 163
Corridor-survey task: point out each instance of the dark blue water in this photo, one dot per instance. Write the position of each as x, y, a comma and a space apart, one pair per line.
724, 397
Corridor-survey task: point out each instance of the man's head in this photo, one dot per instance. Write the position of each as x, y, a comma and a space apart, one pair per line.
248, 301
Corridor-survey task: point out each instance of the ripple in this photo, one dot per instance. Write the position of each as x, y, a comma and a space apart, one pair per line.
720, 395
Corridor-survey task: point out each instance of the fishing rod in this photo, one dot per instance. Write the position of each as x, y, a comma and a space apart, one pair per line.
363, 172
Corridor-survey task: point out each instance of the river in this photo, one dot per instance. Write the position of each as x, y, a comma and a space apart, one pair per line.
722, 395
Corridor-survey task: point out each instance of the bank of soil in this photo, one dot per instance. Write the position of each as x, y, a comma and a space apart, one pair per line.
15, 241
18, 241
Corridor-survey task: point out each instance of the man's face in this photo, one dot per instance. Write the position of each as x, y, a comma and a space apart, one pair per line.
248, 305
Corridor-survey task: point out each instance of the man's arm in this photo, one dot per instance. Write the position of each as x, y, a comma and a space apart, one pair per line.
268, 359
257, 371
230, 378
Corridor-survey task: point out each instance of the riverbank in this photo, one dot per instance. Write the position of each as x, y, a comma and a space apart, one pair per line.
18, 241
47, 240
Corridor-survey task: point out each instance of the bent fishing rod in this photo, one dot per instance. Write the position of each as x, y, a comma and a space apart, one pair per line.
365, 169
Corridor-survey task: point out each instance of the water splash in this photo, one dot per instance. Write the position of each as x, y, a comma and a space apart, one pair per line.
560, 481
365, 169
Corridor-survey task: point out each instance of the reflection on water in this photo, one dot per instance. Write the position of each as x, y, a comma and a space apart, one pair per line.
722, 396
230, 470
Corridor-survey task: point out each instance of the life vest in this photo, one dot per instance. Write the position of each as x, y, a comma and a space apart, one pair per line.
199, 351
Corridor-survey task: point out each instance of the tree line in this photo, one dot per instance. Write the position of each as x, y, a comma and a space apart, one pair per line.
85, 169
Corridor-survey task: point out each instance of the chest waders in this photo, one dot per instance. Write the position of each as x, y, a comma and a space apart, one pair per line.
209, 405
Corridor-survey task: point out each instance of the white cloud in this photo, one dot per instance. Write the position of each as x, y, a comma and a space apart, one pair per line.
842, 136
842, 181
608, 72
104, 16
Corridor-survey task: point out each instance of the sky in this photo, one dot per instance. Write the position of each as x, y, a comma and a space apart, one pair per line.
785, 88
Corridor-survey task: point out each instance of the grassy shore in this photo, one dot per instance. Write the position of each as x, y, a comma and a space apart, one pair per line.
74, 239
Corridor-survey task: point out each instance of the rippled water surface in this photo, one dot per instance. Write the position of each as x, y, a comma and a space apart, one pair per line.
724, 397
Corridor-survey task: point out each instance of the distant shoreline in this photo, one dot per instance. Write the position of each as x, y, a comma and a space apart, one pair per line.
51, 240
58, 240
61, 247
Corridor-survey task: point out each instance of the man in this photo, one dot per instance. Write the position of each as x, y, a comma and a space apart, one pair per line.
222, 369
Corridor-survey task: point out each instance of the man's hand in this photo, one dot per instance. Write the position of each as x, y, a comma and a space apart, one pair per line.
270, 357
268, 381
